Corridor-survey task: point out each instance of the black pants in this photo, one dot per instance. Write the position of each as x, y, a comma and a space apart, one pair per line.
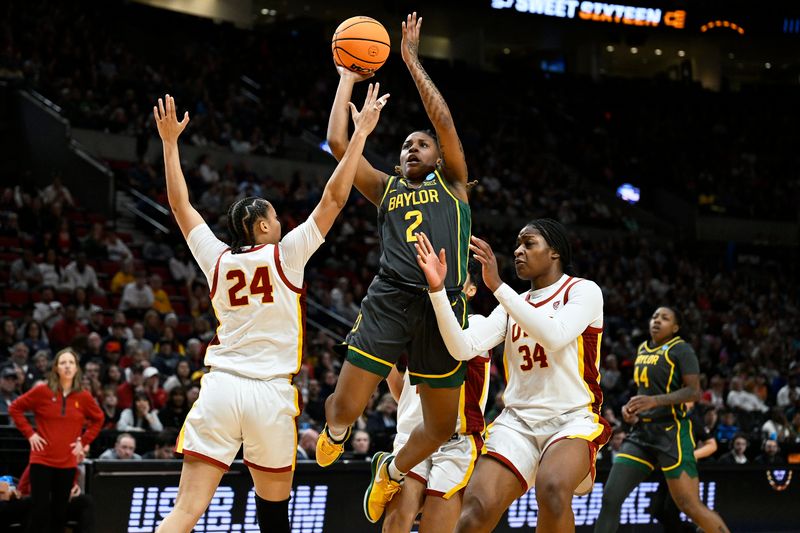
49, 498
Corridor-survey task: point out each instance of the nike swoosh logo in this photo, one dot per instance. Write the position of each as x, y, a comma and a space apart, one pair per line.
393, 190
669, 428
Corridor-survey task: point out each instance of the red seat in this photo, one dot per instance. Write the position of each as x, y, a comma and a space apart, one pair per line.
17, 298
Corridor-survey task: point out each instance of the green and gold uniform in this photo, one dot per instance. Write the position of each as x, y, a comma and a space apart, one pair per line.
663, 435
396, 314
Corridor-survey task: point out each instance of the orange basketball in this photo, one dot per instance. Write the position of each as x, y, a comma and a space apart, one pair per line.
360, 44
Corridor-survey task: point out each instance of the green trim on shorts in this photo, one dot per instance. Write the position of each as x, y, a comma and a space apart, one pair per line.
452, 379
368, 362
631, 460
687, 461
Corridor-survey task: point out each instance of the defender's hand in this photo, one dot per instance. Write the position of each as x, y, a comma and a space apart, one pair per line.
434, 267
167, 122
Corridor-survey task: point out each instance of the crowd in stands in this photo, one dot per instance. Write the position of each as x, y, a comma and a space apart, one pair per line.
138, 311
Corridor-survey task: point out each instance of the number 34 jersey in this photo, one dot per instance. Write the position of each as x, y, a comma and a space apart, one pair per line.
258, 299
429, 207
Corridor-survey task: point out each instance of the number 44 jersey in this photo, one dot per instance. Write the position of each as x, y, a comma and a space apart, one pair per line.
429, 207
258, 300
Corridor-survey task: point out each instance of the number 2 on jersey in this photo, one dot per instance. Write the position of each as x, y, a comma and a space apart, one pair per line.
261, 284
641, 379
417, 216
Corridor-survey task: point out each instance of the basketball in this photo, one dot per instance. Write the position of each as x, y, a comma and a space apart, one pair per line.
360, 44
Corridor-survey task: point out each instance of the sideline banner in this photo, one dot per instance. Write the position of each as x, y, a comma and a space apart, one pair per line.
134, 496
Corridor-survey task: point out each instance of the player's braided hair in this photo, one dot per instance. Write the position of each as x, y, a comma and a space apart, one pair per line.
555, 234
242, 216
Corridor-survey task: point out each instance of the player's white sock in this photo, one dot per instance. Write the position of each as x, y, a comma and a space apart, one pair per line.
394, 473
338, 436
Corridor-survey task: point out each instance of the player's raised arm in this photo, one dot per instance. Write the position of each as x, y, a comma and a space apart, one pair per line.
170, 129
337, 190
368, 180
482, 334
453, 160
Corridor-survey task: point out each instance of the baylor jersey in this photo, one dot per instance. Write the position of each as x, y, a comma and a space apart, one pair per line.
660, 370
430, 208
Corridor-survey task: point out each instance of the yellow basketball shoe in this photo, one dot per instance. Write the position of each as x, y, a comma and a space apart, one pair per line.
381, 487
329, 450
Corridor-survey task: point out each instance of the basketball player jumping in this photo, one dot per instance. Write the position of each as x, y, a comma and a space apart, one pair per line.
248, 397
428, 193
550, 430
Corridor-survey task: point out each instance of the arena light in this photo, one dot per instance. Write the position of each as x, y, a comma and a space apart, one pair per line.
628, 193
711, 24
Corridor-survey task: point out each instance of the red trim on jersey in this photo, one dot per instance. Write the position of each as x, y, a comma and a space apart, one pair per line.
266, 469
414, 475
206, 458
591, 376
539, 304
508, 464
437, 493
281, 273
253, 249
477, 374
214, 341
566, 294
216, 274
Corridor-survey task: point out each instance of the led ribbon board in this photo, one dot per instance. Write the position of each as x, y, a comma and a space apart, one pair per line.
597, 12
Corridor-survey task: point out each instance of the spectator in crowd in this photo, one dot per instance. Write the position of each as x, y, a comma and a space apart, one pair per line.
174, 412
97, 323
156, 250
84, 308
382, 424
94, 244
152, 386
134, 384
361, 443
137, 297
738, 398
140, 417
182, 376
192, 394
789, 393
67, 328
57, 192
715, 394
727, 428
777, 427
124, 449
116, 249
110, 408
112, 376
123, 277
770, 455
8, 337
307, 445
142, 342
19, 360
112, 352
80, 274
39, 367
8, 391
164, 445
50, 269
161, 301
167, 356
35, 338
737, 454
182, 267
47, 310
94, 348
61, 411
24, 274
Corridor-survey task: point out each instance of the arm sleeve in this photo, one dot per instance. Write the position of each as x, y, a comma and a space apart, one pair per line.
94, 417
297, 247
482, 334
684, 356
585, 305
205, 248
17, 409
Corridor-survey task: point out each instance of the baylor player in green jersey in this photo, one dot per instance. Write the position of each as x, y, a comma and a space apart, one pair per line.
428, 192
666, 372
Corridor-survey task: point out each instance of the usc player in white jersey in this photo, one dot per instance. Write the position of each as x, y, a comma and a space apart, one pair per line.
550, 430
248, 397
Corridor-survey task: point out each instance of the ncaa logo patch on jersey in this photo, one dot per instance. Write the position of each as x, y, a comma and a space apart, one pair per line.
430, 177
556, 305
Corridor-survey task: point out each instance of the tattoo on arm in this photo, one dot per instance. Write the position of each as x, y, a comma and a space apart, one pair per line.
683, 395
